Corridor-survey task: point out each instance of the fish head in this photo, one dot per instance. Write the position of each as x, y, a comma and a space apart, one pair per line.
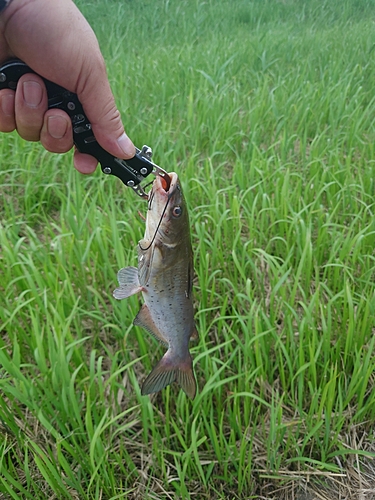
167, 216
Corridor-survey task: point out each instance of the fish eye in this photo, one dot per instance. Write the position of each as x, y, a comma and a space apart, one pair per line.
177, 211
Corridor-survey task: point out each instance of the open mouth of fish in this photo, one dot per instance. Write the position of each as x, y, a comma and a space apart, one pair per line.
164, 186
165, 181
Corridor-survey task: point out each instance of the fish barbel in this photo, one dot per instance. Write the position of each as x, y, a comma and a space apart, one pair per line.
164, 277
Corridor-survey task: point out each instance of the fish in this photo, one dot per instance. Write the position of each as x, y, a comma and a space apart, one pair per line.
164, 277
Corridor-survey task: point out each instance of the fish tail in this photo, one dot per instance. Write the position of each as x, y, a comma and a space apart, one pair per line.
167, 371
186, 379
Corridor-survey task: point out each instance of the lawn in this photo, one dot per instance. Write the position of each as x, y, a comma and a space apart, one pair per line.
265, 109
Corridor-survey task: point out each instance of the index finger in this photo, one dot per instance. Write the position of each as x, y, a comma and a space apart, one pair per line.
7, 111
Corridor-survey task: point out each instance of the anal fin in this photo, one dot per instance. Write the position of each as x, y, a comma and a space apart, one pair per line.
145, 320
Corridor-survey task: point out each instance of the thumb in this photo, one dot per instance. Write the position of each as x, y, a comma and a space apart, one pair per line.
96, 97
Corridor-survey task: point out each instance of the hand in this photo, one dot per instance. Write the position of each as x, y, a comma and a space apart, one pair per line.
56, 41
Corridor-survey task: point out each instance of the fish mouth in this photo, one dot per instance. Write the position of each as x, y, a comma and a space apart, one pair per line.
158, 200
162, 191
166, 185
165, 181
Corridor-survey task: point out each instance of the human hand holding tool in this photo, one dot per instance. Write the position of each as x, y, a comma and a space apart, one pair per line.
56, 41
131, 171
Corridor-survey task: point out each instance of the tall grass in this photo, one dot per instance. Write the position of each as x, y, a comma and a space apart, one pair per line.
265, 110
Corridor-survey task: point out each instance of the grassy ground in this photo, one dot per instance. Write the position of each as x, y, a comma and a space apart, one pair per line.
266, 111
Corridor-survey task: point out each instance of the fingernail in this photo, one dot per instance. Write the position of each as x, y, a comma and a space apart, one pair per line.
7, 104
57, 126
32, 94
126, 145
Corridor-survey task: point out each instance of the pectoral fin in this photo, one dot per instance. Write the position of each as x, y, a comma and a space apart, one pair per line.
129, 283
145, 320
127, 276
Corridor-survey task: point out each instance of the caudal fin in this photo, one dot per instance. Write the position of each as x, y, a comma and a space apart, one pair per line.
166, 372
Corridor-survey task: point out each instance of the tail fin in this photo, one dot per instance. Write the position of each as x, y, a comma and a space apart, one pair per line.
166, 372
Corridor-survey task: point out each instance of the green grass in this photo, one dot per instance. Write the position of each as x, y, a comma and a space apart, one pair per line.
266, 111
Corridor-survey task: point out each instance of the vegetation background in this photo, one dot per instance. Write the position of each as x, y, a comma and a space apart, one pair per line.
265, 109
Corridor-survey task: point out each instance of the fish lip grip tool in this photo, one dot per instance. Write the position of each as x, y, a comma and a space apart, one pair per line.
131, 172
